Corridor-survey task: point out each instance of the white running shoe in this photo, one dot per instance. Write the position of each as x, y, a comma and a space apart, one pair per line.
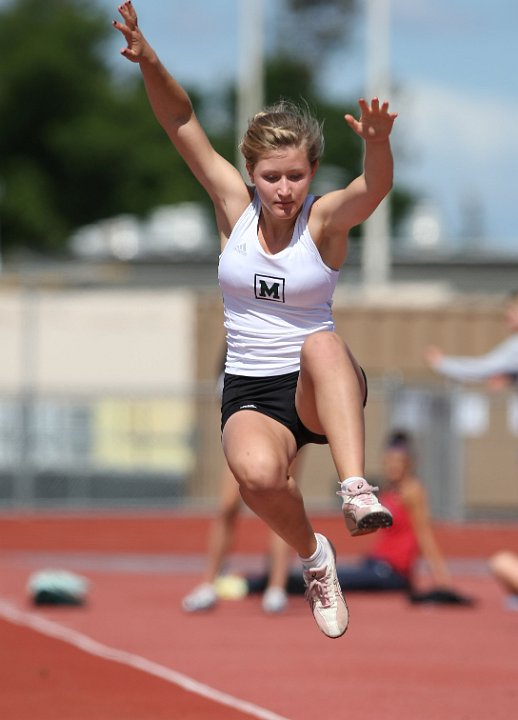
203, 597
325, 596
274, 600
363, 513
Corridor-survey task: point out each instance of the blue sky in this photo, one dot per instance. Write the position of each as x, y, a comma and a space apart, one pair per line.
453, 67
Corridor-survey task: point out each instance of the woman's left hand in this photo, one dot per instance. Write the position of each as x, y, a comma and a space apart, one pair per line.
375, 123
137, 49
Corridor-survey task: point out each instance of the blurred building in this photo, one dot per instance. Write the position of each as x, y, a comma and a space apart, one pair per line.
108, 370
170, 232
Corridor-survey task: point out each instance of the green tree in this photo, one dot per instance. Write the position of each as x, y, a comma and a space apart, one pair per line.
50, 72
73, 147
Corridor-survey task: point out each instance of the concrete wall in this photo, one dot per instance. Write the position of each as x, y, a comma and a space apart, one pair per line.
88, 341
95, 383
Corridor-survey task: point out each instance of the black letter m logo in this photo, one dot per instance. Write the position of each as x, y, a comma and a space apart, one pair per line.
269, 288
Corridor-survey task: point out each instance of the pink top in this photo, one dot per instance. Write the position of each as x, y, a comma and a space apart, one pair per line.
396, 545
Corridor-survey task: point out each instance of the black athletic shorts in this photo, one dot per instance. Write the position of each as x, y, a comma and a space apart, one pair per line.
273, 396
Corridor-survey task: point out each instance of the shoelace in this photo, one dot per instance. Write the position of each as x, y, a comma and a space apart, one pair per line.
321, 587
365, 494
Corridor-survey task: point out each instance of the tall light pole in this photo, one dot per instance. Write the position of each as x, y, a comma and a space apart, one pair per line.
376, 230
250, 78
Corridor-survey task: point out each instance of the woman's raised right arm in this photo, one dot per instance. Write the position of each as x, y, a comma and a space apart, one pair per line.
173, 110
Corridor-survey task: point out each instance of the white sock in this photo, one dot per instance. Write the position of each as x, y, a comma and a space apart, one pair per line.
319, 557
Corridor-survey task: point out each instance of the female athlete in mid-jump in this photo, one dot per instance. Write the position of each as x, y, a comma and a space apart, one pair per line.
290, 379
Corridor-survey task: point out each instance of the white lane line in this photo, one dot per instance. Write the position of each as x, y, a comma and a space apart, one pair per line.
10, 612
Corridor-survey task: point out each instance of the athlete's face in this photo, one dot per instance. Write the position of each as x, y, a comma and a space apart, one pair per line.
396, 464
282, 179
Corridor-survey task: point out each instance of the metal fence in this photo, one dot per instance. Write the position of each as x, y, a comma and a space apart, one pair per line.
95, 450
126, 449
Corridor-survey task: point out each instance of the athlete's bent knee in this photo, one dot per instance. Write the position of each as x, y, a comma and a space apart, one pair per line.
262, 476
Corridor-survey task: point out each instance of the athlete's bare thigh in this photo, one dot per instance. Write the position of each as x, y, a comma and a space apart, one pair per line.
256, 444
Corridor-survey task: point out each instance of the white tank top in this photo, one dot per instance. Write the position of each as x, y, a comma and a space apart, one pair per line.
272, 302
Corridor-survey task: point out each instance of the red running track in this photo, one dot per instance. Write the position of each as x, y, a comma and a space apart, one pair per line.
396, 660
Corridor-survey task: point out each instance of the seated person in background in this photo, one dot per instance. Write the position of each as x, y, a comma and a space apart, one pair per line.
391, 563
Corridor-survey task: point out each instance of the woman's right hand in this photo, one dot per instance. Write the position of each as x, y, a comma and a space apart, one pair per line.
137, 48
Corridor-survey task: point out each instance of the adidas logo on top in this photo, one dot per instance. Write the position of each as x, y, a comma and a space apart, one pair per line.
241, 249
